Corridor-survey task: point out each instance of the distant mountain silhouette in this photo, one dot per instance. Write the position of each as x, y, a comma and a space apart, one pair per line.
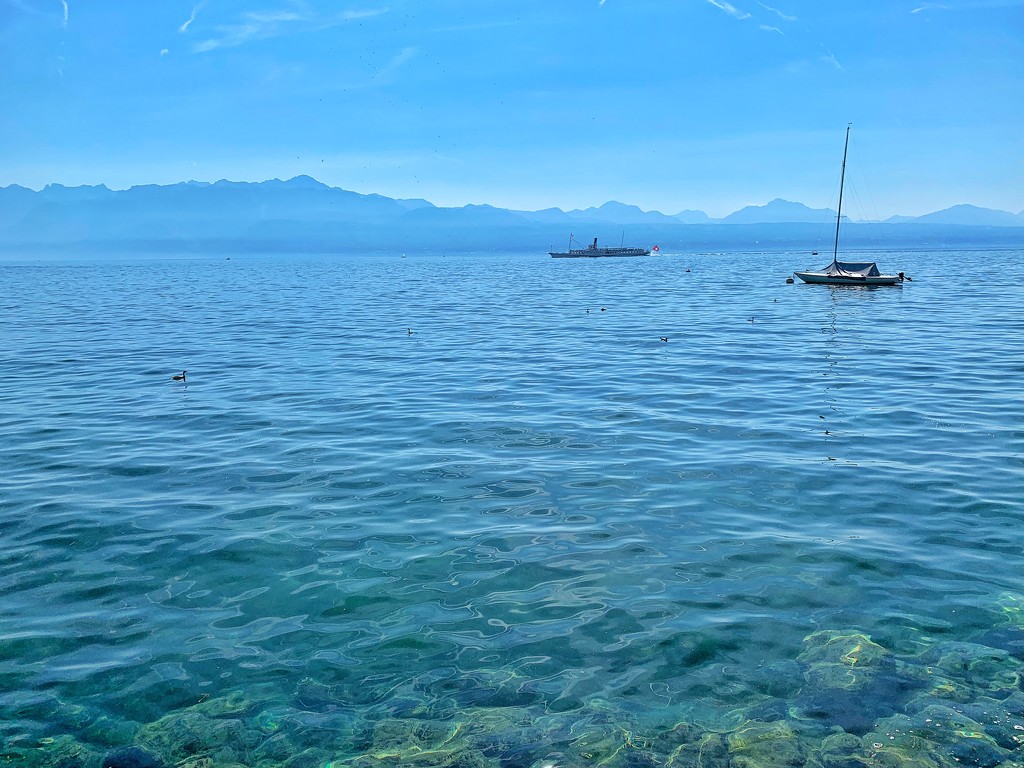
618, 213
971, 215
546, 216
470, 215
305, 214
779, 211
692, 217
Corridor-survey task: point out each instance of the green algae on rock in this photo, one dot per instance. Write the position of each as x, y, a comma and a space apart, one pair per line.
961, 671
187, 734
766, 745
49, 752
840, 659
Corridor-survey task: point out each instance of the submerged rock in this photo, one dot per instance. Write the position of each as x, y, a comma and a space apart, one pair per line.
840, 750
276, 749
852, 682
676, 738
1012, 606
111, 732
1009, 639
938, 734
310, 758
421, 744
964, 671
840, 659
235, 703
779, 679
512, 735
312, 694
62, 752
771, 745
184, 735
132, 757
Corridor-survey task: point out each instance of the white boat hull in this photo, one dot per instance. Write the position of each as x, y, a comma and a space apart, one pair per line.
822, 278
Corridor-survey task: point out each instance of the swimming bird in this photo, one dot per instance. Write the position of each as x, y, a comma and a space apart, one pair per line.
410, 331
179, 376
664, 338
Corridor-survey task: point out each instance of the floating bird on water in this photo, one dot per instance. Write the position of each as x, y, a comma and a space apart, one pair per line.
410, 331
179, 376
664, 338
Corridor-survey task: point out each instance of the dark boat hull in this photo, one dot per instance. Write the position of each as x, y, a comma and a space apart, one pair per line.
598, 253
823, 278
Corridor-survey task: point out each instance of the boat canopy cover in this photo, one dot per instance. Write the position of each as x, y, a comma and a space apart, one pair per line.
852, 269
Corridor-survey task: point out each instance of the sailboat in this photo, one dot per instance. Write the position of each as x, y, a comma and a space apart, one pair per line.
848, 272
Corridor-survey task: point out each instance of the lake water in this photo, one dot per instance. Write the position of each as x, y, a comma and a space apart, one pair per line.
528, 533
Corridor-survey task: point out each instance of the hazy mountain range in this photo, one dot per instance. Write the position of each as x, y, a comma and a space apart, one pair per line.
304, 214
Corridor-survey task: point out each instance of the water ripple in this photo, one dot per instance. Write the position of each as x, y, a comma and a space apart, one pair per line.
531, 504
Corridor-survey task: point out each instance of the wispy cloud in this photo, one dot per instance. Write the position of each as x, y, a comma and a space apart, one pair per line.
28, 7
740, 15
184, 27
776, 11
829, 58
930, 6
263, 25
730, 9
395, 64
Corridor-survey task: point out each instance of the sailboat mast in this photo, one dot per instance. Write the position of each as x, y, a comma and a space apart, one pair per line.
842, 181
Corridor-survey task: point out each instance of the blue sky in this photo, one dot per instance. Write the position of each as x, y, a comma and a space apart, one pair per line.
665, 104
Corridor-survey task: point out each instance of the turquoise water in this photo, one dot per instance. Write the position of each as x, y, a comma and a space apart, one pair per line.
528, 533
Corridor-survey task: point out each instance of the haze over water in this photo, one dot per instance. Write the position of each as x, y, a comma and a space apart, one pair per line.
472, 510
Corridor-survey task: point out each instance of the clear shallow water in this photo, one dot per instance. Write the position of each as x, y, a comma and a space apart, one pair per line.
530, 532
